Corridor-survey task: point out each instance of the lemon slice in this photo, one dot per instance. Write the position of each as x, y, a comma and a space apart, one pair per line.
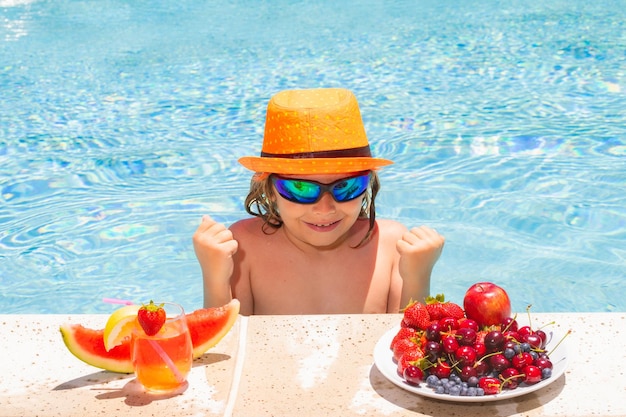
119, 326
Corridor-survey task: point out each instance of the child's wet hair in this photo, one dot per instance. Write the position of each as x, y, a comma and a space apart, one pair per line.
261, 202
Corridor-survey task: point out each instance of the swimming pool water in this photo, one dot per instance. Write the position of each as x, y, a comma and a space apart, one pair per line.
120, 124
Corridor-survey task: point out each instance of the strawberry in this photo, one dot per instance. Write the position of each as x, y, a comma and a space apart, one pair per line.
410, 357
453, 310
403, 346
438, 308
403, 333
151, 317
416, 316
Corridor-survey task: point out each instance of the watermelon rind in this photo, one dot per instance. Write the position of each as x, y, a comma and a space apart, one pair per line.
207, 326
88, 345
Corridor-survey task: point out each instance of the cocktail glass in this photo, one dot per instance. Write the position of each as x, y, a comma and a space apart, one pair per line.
163, 361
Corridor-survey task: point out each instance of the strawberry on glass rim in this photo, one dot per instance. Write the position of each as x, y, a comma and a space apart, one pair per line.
151, 318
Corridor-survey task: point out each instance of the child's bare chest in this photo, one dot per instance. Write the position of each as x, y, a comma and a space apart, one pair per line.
347, 282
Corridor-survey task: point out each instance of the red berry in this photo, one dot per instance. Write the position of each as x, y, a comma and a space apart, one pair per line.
532, 374
511, 378
467, 372
466, 336
509, 324
412, 357
499, 362
448, 324
151, 318
433, 331
482, 367
466, 355
468, 323
522, 360
441, 370
481, 349
449, 344
543, 336
524, 331
533, 339
402, 346
542, 363
403, 333
416, 316
489, 385
413, 375
494, 340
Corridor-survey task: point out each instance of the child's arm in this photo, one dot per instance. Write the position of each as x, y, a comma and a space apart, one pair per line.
215, 246
419, 250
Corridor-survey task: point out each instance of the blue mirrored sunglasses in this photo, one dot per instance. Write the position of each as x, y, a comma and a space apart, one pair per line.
308, 192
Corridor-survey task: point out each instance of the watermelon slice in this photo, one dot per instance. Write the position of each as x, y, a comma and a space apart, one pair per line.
207, 326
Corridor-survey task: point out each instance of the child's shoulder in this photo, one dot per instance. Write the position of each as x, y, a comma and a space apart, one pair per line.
390, 228
248, 225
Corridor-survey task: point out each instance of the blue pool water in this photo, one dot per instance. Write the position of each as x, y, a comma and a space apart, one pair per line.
120, 122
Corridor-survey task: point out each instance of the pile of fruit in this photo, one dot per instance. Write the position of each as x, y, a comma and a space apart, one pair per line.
471, 351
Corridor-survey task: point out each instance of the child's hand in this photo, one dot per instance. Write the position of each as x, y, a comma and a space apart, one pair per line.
214, 246
419, 250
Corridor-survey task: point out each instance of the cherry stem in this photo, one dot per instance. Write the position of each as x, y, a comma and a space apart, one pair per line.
508, 326
528, 312
552, 323
560, 341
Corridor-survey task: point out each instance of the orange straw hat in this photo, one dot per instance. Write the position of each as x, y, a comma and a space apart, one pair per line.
316, 131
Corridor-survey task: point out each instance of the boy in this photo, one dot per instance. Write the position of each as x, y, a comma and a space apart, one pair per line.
313, 245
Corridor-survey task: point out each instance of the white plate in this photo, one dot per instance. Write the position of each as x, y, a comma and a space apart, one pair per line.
383, 358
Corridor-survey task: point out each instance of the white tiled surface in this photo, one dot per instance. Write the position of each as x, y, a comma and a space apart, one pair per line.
293, 366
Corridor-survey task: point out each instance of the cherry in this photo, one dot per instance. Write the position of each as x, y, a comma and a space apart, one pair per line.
543, 336
432, 350
499, 362
468, 324
466, 355
482, 367
494, 340
466, 335
509, 344
522, 360
448, 324
413, 375
441, 370
490, 385
543, 363
524, 331
533, 339
511, 378
509, 324
449, 344
512, 336
532, 374
467, 372
433, 331
480, 349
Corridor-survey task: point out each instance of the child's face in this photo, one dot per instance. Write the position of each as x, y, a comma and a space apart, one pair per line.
323, 223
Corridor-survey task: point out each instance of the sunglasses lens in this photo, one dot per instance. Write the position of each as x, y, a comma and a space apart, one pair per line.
308, 192
303, 192
350, 188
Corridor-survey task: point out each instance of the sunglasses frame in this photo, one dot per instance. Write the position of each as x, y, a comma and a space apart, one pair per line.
324, 188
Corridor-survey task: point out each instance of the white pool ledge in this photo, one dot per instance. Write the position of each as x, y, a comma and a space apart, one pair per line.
293, 366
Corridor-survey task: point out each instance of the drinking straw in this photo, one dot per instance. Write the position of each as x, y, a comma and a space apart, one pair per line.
168, 361
162, 353
117, 301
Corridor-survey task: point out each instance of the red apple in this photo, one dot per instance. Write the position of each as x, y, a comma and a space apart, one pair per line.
487, 304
